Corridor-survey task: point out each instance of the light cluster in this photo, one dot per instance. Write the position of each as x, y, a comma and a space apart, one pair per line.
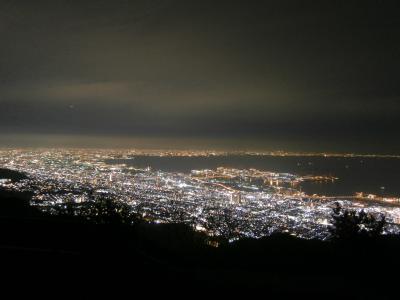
250, 202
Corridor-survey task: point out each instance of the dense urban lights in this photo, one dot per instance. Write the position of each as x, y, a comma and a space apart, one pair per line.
260, 202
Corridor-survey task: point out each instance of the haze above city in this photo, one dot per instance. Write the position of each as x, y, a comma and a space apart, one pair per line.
291, 75
215, 145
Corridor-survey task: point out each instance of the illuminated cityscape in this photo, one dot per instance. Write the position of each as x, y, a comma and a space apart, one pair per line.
260, 202
198, 147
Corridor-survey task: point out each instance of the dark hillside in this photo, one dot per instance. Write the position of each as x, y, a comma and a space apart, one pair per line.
12, 175
143, 254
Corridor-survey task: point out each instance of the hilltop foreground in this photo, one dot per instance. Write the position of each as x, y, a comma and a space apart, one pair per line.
70, 249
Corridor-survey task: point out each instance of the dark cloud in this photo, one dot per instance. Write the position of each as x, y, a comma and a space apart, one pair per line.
290, 70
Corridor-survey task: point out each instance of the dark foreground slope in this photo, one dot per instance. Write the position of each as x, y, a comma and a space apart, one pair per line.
48, 249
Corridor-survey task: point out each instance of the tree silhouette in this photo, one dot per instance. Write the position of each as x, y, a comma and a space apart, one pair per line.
100, 210
224, 225
349, 224
109, 211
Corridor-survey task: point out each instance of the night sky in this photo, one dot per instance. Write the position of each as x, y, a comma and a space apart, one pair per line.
295, 75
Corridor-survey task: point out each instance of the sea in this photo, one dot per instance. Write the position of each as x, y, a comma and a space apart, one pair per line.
370, 175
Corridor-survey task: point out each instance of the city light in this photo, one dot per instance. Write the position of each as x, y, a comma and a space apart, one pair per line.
261, 202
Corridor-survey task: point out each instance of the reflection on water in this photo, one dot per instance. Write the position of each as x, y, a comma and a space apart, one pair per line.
378, 176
